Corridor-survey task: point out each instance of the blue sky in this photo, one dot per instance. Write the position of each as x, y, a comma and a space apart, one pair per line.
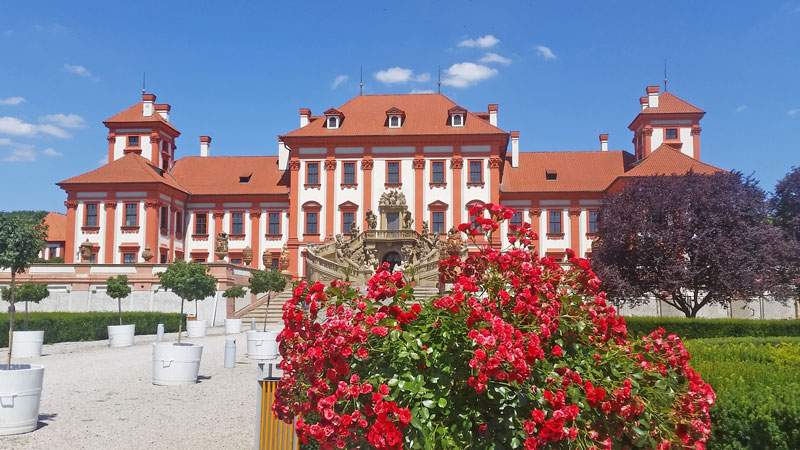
562, 72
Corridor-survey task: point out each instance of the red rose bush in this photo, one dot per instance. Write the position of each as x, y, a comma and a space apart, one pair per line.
520, 353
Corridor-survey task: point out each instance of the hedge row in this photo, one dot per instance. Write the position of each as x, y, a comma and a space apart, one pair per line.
91, 326
713, 328
757, 385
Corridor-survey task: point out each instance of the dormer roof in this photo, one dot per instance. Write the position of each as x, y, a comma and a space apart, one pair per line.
395, 111
333, 112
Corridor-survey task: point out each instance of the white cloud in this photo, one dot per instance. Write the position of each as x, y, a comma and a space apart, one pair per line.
23, 153
64, 120
12, 101
102, 161
51, 152
494, 58
740, 108
466, 74
15, 127
793, 112
77, 70
481, 42
394, 75
422, 91
545, 52
339, 80
422, 78
5, 141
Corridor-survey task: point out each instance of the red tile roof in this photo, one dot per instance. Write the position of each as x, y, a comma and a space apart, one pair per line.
670, 104
575, 171
667, 160
131, 168
134, 114
219, 175
426, 114
56, 227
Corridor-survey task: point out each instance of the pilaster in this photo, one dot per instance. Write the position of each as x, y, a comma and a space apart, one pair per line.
110, 230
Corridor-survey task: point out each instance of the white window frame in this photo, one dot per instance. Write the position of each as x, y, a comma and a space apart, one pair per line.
335, 120
460, 120
399, 121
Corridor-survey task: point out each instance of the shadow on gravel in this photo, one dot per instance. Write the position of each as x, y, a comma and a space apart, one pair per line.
201, 378
43, 419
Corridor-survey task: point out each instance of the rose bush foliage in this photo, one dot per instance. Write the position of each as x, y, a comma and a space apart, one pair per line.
521, 353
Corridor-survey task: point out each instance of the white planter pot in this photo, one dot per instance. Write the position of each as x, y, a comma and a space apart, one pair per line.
27, 344
176, 364
233, 326
262, 344
121, 335
20, 394
195, 328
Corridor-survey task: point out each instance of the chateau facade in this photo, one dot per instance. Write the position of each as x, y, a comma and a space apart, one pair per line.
335, 170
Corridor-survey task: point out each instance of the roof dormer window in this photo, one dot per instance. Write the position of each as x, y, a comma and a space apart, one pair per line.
395, 117
457, 120
550, 175
333, 122
333, 118
457, 116
394, 122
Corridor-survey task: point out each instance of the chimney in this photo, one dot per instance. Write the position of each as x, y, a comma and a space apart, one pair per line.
643, 102
163, 110
652, 96
603, 142
305, 116
493, 114
205, 144
147, 104
515, 149
283, 155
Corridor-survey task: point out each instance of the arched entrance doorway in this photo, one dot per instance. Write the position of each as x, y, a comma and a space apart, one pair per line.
393, 258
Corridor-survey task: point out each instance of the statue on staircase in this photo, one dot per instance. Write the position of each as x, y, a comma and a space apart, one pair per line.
372, 220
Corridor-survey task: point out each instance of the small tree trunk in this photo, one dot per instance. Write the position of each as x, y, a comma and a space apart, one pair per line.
119, 305
26, 316
11, 319
266, 314
180, 323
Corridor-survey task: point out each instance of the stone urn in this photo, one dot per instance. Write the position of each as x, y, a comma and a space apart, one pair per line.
266, 258
147, 255
247, 255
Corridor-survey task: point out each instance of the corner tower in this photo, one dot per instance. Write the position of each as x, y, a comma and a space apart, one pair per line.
666, 119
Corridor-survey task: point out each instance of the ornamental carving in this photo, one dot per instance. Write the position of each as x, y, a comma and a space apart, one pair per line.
221, 245
457, 163
218, 214
147, 254
155, 138
536, 212
266, 258
696, 130
648, 131
367, 164
392, 198
151, 203
256, 213
330, 164
285, 258
247, 255
494, 163
110, 204
71, 204
294, 165
372, 220
454, 243
574, 211
86, 251
419, 163
111, 138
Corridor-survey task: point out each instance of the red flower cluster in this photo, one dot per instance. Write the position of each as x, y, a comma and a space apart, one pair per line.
518, 343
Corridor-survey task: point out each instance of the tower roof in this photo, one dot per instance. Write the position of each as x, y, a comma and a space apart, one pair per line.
136, 114
668, 104
131, 168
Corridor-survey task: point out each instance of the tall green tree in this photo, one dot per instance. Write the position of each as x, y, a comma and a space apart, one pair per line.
786, 203
189, 281
263, 281
28, 292
117, 287
690, 241
21, 240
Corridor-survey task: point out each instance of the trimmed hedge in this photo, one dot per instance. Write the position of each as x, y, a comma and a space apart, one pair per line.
713, 328
91, 326
757, 385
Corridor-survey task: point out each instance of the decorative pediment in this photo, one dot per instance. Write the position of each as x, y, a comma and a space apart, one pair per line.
395, 111
333, 112
311, 205
438, 205
457, 110
348, 206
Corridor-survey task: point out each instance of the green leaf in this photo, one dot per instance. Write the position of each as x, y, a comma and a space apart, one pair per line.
442, 402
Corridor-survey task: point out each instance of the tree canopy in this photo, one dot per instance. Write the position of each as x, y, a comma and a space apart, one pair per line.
117, 288
189, 281
786, 203
234, 292
263, 281
690, 241
28, 292
21, 240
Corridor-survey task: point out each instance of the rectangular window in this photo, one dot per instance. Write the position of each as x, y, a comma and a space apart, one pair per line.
237, 223
236, 261
437, 221
128, 258
164, 258
475, 172
347, 219
516, 219
131, 214
179, 222
392, 221
311, 223
672, 133
164, 218
349, 173
393, 172
437, 172
93, 258
201, 223
312, 173
593, 221
274, 265
91, 215
274, 223
133, 141
554, 222
199, 260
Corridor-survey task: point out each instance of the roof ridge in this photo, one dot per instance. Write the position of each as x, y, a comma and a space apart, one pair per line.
680, 99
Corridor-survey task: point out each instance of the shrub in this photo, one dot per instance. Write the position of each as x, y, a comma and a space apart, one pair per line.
520, 353
91, 326
713, 328
757, 386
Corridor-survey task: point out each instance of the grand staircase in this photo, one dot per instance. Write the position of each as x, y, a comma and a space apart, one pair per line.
273, 315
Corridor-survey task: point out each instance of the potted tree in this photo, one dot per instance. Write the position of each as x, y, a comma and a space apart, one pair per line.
28, 343
411, 274
119, 335
177, 363
234, 326
21, 240
264, 344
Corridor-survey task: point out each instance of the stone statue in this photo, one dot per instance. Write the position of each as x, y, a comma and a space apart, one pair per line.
393, 198
454, 242
85, 250
425, 230
372, 220
266, 258
285, 258
408, 253
371, 258
221, 246
340, 247
247, 255
407, 220
354, 230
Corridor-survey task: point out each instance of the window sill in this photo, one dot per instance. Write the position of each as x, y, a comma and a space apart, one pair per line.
591, 235
90, 230
236, 237
273, 237
479, 184
392, 185
312, 186
348, 186
555, 235
178, 235
200, 237
164, 231
130, 229
437, 185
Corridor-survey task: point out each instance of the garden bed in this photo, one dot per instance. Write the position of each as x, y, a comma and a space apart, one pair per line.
712, 328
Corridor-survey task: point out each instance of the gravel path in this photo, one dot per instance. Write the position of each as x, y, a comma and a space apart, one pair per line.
97, 397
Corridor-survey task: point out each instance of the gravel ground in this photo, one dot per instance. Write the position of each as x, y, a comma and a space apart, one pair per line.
97, 397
